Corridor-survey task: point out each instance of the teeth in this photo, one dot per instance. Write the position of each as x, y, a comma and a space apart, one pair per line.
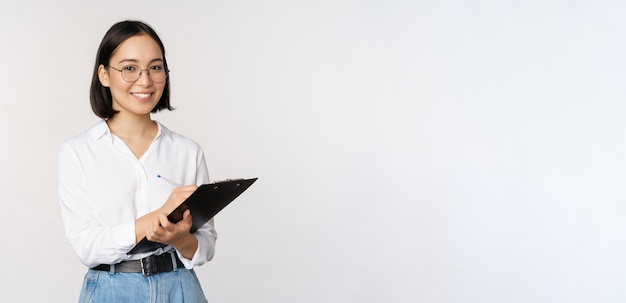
142, 95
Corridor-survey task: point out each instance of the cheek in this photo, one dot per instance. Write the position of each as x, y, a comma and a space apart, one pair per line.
160, 90
119, 91
119, 86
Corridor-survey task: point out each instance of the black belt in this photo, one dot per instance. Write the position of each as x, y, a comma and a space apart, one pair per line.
150, 265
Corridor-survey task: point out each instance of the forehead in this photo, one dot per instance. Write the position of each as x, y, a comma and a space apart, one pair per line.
141, 48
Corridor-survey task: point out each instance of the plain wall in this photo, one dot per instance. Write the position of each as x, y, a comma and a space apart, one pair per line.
407, 151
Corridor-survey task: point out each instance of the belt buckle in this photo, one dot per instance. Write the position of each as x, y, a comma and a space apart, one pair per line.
146, 267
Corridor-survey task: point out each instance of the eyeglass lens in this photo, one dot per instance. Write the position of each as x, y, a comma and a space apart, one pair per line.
132, 73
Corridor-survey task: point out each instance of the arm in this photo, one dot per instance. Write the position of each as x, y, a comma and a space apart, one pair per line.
94, 240
193, 249
206, 234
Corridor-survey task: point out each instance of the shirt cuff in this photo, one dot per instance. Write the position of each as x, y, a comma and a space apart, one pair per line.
199, 257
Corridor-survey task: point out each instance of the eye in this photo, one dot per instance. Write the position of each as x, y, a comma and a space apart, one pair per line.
130, 68
156, 68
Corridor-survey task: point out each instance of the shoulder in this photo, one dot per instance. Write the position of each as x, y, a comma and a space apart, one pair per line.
177, 139
84, 144
91, 134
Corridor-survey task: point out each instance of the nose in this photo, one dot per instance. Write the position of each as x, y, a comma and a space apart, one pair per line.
144, 77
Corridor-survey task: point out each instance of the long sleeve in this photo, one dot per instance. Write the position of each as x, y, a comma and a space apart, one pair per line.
94, 243
206, 234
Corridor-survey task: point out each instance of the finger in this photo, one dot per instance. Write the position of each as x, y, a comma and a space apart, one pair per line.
156, 222
186, 220
183, 193
186, 223
163, 222
186, 188
153, 231
187, 214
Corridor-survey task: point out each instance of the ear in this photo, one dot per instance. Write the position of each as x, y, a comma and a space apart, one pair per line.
103, 75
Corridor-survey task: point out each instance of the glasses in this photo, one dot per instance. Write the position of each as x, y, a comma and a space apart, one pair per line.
132, 73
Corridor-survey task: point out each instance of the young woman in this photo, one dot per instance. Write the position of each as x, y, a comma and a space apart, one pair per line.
112, 180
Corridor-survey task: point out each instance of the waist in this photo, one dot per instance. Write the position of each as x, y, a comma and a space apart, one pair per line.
148, 266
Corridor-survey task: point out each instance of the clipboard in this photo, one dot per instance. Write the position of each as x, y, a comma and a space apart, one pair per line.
204, 204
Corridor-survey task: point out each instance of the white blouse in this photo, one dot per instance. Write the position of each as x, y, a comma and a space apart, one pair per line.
103, 188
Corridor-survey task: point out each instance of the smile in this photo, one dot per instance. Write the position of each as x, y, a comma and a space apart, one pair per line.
142, 96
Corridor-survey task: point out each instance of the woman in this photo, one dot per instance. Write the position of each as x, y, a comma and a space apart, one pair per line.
112, 184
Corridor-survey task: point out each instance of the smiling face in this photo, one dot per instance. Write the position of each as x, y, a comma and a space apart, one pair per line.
136, 98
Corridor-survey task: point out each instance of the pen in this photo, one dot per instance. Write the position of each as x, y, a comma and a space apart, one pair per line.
168, 180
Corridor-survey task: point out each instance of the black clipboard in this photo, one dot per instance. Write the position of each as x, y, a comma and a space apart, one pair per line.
204, 203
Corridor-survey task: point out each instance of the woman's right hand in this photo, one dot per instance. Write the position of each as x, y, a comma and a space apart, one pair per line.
178, 195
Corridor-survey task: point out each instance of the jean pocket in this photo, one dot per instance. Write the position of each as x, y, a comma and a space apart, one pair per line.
192, 280
90, 283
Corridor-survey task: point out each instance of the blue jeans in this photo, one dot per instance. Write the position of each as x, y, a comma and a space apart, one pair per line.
177, 286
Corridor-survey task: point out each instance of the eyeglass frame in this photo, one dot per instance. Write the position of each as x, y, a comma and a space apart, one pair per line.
167, 73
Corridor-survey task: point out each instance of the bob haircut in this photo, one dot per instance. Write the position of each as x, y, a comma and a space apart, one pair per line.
99, 95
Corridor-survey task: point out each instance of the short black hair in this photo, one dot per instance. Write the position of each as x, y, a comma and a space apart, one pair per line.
99, 95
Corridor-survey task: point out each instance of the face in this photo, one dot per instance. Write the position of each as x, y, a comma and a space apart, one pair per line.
136, 98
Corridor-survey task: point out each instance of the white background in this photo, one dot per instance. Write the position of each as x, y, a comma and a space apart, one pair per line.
407, 151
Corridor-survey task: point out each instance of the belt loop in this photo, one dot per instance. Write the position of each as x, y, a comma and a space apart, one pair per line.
112, 269
174, 263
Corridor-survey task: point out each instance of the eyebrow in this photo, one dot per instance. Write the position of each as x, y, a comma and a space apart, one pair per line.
137, 61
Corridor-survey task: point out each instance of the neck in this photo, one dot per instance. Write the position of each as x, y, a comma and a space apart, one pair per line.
131, 126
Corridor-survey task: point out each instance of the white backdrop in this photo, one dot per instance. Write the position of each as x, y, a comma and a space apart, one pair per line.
407, 151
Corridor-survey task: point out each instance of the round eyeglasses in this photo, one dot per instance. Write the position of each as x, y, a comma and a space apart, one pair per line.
132, 73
